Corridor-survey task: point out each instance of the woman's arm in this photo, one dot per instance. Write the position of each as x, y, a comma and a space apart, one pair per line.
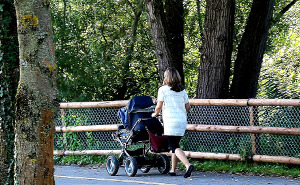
187, 107
157, 108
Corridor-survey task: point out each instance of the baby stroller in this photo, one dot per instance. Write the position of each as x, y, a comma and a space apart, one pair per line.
139, 128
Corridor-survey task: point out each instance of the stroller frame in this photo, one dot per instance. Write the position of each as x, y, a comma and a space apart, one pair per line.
141, 158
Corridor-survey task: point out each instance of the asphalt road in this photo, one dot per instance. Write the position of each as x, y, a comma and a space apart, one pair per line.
97, 175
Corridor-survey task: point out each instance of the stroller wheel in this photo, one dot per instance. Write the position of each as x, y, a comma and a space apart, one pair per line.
145, 169
112, 165
163, 164
131, 166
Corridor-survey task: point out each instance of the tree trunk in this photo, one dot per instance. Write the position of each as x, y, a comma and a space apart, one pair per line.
9, 65
166, 24
251, 49
36, 104
213, 81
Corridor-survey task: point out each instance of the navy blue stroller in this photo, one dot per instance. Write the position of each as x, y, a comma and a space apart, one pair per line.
139, 128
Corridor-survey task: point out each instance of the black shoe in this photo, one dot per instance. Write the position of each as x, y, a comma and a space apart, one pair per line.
172, 173
189, 171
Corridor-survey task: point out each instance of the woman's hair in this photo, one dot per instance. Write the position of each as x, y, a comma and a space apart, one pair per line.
172, 78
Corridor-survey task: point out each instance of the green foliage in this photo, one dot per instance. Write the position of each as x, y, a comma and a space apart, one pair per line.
280, 72
79, 160
242, 10
71, 141
238, 167
193, 31
74, 118
78, 141
91, 40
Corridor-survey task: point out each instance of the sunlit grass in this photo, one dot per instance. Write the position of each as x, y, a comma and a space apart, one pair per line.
80, 160
251, 168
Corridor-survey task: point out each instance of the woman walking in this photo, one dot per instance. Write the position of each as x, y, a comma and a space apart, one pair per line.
173, 100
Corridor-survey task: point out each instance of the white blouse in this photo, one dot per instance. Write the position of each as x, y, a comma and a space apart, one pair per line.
173, 111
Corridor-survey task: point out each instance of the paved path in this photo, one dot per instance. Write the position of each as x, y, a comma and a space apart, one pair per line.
75, 175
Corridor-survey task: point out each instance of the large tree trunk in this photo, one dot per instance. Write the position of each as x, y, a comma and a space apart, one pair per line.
36, 103
9, 65
251, 49
166, 24
213, 81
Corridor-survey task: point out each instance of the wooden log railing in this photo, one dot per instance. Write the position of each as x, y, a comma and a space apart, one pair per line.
203, 102
192, 127
196, 127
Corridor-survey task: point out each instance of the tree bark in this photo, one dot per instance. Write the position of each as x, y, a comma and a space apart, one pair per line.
36, 103
9, 65
214, 71
251, 49
166, 24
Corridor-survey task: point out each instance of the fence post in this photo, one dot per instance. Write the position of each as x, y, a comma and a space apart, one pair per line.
62, 111
255, 140
252, 135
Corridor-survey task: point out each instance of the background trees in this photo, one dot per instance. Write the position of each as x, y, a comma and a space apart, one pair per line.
102, 48
280, 69
103, 58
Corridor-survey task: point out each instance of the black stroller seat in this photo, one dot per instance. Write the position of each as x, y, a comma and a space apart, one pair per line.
137, 126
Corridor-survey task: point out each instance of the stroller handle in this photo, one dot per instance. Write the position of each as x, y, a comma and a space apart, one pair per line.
148, 109
139, 120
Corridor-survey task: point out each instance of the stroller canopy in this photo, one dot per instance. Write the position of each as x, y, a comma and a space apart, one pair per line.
135, 103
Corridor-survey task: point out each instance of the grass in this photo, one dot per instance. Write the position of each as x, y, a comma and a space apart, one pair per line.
247, 168
80, 160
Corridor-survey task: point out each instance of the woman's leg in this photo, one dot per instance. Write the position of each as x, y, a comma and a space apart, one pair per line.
173, 143
174, 160
181, 156
178, 154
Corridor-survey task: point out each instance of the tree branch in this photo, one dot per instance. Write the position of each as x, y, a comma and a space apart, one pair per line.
283, 11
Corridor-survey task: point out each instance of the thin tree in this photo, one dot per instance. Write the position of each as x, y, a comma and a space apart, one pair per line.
123, 88
166, 24
251, 49
36, 103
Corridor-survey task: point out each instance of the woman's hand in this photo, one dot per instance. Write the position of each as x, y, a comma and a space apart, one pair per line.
153, 115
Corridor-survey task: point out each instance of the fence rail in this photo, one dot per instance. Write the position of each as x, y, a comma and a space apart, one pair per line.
226, 129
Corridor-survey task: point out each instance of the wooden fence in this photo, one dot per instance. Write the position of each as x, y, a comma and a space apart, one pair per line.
252, 129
